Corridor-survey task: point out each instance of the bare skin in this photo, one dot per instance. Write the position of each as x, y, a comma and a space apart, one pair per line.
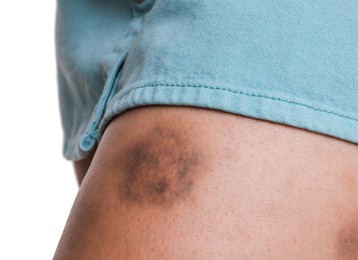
81, 167
189, 183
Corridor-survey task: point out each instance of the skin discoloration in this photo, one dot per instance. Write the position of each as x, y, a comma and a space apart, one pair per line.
348, 242
160, 168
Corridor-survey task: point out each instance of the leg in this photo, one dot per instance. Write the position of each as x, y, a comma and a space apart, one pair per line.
188, 183
81, 167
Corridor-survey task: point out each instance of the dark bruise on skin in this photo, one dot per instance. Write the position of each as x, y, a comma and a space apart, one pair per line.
348, 243
160, 168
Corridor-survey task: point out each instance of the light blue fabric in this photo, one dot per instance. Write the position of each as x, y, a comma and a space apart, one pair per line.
287, 61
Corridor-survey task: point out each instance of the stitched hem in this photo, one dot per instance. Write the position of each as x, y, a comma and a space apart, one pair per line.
236, 92
280, 110
276, 109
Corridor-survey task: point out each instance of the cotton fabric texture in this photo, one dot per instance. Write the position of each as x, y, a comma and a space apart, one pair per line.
286, 61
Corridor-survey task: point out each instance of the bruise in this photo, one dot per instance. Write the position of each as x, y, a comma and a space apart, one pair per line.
160, 169
347, 241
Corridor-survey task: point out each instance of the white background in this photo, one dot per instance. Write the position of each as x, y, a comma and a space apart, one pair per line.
37, 186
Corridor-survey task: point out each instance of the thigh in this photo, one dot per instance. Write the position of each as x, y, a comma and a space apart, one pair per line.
189, 183
81, 167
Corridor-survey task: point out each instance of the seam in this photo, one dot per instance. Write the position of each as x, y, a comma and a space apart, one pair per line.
238, 92
106, 95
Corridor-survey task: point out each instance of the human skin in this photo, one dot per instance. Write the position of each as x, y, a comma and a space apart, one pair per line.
190, 183
81, 167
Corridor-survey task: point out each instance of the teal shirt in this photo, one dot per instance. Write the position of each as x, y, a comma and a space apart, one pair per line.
290, 62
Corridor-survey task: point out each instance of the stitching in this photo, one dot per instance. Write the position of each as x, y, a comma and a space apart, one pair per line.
108, 89
238, 92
